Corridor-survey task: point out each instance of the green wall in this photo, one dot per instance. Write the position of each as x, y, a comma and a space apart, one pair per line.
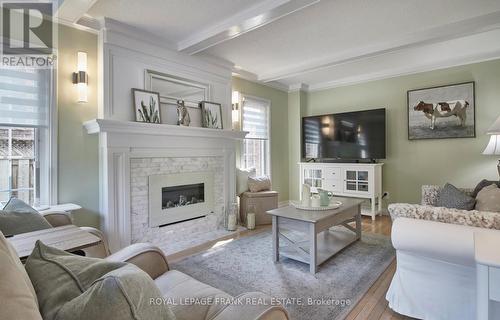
78, 167
410, 164
279, 130
297, 101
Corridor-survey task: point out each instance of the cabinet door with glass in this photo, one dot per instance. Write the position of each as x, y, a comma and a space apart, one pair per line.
313, 177
356, 181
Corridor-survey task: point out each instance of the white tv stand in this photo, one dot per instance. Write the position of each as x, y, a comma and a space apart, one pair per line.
357, 180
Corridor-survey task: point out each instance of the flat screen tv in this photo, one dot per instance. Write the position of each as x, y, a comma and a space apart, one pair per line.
344, 136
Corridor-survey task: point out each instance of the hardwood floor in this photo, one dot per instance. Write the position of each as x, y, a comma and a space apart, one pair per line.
372, 306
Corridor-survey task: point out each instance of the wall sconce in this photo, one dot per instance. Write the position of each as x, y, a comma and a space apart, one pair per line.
80, 78
235, 114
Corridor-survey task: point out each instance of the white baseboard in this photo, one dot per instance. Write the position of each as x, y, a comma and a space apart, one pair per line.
283, 203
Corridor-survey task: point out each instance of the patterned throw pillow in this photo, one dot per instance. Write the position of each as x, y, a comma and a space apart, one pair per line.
488, 199
451, 197
257, 184
483, 183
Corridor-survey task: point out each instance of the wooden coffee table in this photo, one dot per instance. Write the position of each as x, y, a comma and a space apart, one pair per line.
320, 242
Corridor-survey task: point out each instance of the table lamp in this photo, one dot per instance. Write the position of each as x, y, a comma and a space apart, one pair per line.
493, 147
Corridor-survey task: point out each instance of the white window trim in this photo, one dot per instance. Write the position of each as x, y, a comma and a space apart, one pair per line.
48, 150
51, 177
268, 102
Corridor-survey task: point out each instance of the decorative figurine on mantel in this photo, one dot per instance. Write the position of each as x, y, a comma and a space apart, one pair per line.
183, 118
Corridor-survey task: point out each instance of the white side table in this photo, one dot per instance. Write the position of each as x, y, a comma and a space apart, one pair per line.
66, 207
487, 255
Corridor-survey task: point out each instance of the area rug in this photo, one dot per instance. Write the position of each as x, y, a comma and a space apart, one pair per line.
245, 265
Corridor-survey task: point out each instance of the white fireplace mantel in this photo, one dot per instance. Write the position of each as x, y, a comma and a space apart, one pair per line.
131, 127
122, 141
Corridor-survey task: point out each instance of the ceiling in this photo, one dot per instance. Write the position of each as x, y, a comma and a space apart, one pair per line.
313, 44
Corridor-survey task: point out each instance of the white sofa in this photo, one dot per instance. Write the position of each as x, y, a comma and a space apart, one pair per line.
436, 272
435, 276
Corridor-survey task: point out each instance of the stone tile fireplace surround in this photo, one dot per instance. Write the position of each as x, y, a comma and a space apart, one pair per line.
177, 236
131, 152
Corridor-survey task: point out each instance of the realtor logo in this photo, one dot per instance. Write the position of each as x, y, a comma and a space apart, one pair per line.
28, 34
27, 28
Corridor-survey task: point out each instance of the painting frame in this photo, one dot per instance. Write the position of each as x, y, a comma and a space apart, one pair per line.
140, 112
469, 126
206, 108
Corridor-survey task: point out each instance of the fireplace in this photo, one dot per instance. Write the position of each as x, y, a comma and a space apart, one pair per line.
183, 195
179, 197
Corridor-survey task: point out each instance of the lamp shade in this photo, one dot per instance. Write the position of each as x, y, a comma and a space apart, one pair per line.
495, 127
493, 146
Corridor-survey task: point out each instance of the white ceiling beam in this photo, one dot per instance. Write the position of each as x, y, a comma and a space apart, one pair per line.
247, 20
434, 35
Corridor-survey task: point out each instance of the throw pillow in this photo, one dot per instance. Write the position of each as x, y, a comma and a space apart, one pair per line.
242, 176
256, 184
17, 294
451, 197
18, 217
488, 199
483, 183
77, 288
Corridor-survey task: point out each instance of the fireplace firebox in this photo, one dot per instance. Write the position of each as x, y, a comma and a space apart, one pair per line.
180, 197
184, 195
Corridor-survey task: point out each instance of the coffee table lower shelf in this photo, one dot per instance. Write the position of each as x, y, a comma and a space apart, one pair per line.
328, 244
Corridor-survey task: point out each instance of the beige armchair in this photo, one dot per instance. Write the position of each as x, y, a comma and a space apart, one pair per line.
19, 298
176, 286
179, 287
61, 218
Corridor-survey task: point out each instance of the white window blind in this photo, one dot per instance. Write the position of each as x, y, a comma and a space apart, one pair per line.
255, 118
25, 96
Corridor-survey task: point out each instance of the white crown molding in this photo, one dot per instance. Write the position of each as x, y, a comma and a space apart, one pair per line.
298, 87
70, 12
447, 32
276, 85
81, 27
252, 77
244, 21
393, 73
88, 22
247, 75
129, 31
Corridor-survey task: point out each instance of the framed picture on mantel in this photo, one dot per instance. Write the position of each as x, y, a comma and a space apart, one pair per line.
146, 106
442, 112
211, 115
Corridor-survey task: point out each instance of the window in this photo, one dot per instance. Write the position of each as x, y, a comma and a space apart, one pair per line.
255, 120
26, 131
